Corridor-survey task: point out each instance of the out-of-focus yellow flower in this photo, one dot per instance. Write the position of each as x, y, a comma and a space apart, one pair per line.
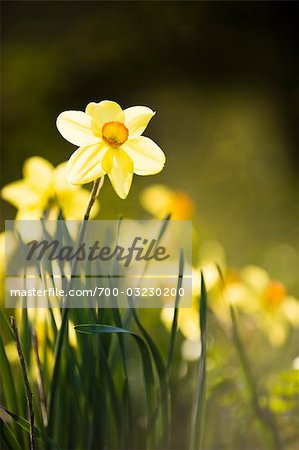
45, 188
7, 248
110, 141
2, 265
253, 292
2, 255
159, 200
188, 324
188, 318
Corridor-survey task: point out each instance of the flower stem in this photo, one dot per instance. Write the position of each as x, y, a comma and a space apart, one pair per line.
33, 440
97, 186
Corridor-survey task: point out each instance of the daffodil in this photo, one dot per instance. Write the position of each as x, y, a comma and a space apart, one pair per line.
110, 142
2, 254
188, 322
275, 310
2, 265
46, 189
159, 200
265, 302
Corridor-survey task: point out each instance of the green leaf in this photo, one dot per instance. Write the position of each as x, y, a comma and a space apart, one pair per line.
8, 380
199, 405
61, 337
8, 437
144, 352
174, 325
23, 423
159, 363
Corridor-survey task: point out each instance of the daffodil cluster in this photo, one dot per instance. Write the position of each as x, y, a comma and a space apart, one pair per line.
44, 191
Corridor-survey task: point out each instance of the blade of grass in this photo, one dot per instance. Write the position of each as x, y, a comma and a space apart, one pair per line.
199, 405
97, 185
11, 397
8, 437
160, 235
29, 395
149, 380
116, 404
25, 425
174, 325
162, 374
7, 377
157, 357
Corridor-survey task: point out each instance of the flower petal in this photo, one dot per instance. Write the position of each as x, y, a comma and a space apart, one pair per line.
121, 173
60, 181
157, 200
105, 111
29, 214
39, 173
78, 128
73, 204
108, 160
146, 155
85, 165
137, 119
21, 194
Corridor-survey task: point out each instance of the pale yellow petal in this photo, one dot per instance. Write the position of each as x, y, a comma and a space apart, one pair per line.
276, 330
108, 160
39, 173
29, 214
85, 165
137, 119
290, 309
74, 204
21, 194
147, 157
191, 349
78, 128
188, 323
255, 277
157, 200
105, 111
60, 182
121, 173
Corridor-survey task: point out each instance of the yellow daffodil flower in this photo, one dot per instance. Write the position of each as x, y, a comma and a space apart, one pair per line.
188, 318
275, 310
110, 141
159, 200
45, 188
188, 321
2, 266
266, 301
2, 255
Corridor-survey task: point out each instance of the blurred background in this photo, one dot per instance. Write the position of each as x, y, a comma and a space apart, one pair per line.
223, 80
221, 77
